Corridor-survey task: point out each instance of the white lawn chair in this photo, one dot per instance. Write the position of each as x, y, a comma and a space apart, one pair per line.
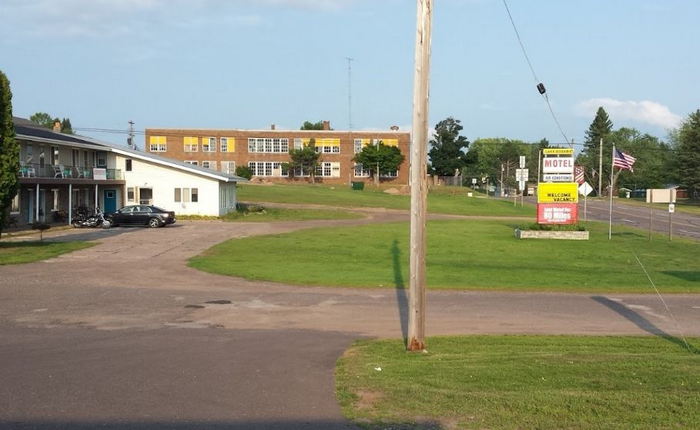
58, 171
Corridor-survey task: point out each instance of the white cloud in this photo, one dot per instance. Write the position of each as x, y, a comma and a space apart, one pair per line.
644, 111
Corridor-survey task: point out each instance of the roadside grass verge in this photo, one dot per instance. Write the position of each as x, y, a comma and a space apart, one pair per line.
462, 254
521, 382
682, 205
28, 252
447, 200
278, 214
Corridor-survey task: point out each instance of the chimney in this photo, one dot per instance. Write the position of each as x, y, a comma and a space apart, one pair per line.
326, 125
57, 126
272, 127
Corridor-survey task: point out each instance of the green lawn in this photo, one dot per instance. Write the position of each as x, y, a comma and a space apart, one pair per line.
682, 205
27, 252
448, 200
280, 214
462, 254
522, 382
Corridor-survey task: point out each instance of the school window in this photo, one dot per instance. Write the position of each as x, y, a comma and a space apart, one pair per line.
228, 144
360, 171
191, 144
130, 194
268, 145
392, 174
128, 165
228, 167
298, 143
328, 145
267, 168
157, 144
209, 164
328, 170
357, 144
209, 144
192, 162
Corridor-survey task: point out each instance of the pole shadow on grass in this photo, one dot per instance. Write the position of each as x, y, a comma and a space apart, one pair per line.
400, 288
643, 323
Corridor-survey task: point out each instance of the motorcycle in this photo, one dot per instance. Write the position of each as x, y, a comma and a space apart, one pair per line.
83, 219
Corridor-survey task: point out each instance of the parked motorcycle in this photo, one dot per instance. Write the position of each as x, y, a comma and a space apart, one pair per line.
83, 219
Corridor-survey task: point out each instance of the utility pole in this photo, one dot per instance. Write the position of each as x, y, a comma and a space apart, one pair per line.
130, 139
419, 190
600, 169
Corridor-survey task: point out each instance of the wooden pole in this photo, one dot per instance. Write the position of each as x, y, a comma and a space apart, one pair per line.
418, 170
600, 170
612, 187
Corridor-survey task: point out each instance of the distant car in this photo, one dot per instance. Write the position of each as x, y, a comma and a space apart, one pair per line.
151, 216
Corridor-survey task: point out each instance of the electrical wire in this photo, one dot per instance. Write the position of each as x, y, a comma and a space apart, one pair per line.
543, 92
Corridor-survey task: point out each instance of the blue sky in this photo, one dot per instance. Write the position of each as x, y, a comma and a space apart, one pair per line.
251, 63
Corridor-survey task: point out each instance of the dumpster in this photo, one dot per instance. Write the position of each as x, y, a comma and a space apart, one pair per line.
358, 186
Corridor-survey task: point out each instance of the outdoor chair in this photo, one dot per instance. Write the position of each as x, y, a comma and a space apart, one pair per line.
78, 172
58, 171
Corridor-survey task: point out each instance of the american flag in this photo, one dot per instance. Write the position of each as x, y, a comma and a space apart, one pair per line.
622, 160
578, 174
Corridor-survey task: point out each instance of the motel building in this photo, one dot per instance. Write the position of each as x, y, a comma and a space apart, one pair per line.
61, 173
266, 151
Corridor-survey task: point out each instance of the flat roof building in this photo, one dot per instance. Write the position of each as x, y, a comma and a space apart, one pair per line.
266, 152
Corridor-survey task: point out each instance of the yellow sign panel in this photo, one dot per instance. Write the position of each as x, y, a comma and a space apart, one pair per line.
557, 192
558, 151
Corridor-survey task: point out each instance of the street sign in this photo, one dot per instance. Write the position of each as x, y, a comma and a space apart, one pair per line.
522, 161
522, 174
562, 192
558, 165
558, 177
473, 181
661, 195
671, 208
585, 189
521, 185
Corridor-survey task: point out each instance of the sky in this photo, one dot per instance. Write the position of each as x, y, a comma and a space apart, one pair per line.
252, 63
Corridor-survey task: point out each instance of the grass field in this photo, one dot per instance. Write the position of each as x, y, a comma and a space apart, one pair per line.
448, 200
682, 205
27, 252
522, 382
469, 254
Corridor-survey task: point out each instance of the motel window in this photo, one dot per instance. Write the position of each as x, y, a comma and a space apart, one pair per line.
186, 195
54, 191
54, 155
130, 194
128, 165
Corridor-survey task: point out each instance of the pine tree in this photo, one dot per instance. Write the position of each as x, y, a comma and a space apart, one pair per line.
66, 126
688, 148
600, 128
9, 151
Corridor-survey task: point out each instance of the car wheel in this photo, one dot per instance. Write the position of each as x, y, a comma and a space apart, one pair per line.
154, 222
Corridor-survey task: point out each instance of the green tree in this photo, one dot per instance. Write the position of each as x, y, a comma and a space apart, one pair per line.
379, 159
305, 160
308, 125
448, 150
66, 126
43, 119
688, 153
600, 128
9, 151
651, 170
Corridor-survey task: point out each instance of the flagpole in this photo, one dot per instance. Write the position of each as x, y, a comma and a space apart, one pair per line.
612, 187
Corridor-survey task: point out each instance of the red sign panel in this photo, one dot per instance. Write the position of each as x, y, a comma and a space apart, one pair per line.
557, 213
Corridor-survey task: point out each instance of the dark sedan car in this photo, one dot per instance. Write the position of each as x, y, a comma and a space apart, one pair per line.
151, 216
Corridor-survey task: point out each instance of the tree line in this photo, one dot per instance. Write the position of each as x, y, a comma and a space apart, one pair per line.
658, 164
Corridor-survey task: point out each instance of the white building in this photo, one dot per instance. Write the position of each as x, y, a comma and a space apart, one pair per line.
61, 172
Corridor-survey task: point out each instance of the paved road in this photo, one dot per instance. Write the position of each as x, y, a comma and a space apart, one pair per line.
683, 224
125, 335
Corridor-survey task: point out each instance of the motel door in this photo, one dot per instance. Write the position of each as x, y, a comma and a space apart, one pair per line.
110, 201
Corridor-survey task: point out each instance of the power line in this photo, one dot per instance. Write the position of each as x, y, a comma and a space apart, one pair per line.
540, 85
